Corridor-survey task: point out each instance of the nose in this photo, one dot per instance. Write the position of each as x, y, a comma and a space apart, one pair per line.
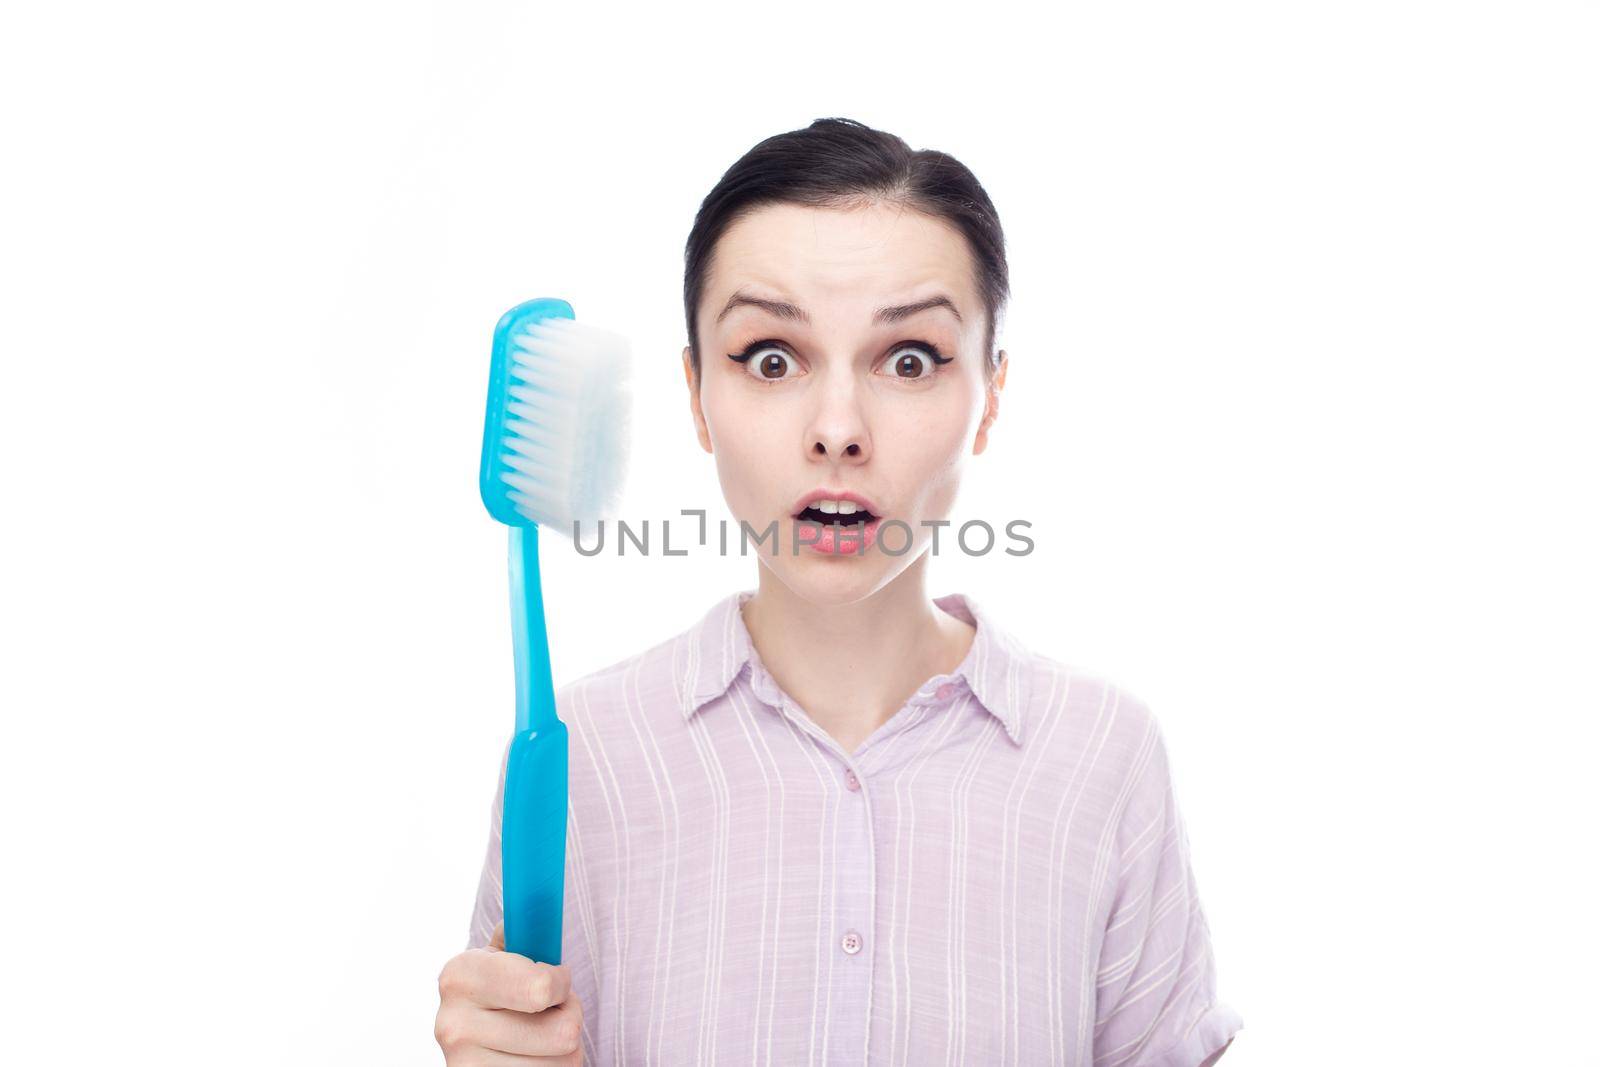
850, 451
838, 429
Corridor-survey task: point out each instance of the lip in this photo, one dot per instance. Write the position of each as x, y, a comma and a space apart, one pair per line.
851, 539
846, 540
833, 494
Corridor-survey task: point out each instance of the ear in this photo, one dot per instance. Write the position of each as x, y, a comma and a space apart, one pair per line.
690, 379
991, 406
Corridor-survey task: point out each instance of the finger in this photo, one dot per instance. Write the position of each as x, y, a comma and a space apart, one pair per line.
507, 981
497, 940
488, 1057
557, 1031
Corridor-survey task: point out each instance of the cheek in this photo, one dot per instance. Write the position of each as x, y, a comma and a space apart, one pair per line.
927, 447
745, 442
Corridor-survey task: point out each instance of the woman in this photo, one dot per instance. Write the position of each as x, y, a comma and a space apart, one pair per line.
837, 821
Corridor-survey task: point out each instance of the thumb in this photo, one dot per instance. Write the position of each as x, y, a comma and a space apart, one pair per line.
497, 940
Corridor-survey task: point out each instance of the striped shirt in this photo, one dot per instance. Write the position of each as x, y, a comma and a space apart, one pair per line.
999, 874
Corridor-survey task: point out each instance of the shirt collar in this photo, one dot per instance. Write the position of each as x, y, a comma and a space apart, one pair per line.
718, 647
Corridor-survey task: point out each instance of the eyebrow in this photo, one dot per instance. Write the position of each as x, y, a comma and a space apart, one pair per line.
784, 310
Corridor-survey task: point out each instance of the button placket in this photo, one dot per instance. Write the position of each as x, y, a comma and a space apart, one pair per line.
854, 905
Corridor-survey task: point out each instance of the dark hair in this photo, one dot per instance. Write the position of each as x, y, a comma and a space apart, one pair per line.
838, 162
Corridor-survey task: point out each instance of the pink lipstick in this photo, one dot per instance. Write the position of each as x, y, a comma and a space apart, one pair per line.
846, 522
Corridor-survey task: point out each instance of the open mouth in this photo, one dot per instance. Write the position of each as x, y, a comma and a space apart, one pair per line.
842, 527
820, 513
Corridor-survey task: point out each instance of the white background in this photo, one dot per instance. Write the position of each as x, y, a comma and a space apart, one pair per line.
1304, 327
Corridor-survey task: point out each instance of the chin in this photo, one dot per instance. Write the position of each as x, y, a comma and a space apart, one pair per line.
834, 581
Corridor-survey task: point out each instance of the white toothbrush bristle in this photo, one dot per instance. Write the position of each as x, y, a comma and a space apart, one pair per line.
567, 406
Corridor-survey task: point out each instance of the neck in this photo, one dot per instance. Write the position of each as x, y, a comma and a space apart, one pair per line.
852, 666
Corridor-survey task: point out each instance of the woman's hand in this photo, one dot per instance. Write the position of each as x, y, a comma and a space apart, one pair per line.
499, 1008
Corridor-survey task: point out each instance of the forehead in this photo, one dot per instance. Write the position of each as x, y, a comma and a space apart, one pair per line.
836, 259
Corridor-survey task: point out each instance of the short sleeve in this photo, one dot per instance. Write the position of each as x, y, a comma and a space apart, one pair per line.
487, 911
1156, 992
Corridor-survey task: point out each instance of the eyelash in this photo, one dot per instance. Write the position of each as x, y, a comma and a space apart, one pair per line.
928, 348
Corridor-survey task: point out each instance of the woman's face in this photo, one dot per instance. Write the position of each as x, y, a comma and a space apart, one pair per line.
834, 393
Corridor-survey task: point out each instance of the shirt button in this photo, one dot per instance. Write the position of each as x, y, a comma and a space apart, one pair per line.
945, 691
851, 781
851, 942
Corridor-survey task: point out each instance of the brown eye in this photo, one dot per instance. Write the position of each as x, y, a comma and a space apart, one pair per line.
909, 366
773, 364
766, 362
911, 363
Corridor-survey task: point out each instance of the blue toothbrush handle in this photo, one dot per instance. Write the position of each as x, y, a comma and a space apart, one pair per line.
533, 843
533, 824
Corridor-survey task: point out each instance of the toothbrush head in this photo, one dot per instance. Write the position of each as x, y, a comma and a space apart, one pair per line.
555, 432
